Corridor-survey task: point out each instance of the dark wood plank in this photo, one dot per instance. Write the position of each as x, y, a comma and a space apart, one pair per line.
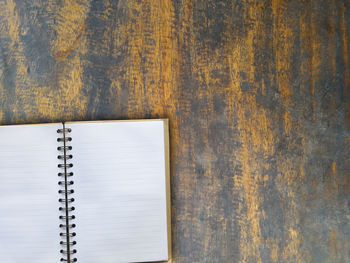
257, 93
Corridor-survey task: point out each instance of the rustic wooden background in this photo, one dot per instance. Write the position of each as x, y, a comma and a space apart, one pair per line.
258, 97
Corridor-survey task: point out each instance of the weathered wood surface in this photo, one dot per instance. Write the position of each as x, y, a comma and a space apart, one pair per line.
257, 93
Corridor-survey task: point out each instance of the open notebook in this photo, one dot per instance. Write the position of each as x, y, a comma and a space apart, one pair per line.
85, 191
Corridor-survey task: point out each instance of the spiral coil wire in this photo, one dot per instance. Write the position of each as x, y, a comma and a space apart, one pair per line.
66, 200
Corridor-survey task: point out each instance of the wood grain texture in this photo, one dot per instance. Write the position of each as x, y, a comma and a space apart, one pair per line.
258, 97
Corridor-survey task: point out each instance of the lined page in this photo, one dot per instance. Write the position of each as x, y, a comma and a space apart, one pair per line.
29, 222
120, 191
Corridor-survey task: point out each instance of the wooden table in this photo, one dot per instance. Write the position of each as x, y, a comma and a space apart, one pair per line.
257, 93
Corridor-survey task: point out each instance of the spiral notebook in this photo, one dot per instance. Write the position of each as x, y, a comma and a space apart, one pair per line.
85, 192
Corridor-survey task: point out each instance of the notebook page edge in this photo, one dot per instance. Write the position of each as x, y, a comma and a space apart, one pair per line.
168, 184
106, 121
31, 124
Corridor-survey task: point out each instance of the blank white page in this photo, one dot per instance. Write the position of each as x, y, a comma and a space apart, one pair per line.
29, 224
120, 191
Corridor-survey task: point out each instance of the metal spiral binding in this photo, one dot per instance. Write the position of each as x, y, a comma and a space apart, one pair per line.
67, 243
